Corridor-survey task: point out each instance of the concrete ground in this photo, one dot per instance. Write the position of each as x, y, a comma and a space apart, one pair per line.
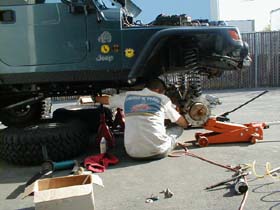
129, 183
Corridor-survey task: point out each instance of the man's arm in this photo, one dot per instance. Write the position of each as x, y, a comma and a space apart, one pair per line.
115, 101
175, 117
182, 122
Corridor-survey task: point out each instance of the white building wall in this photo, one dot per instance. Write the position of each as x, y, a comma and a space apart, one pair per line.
244, 26
275, 20
214, 10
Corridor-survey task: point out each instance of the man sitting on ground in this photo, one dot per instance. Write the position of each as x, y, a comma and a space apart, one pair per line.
145, 112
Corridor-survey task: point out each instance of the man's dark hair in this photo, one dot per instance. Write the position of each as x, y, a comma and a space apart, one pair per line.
156, 84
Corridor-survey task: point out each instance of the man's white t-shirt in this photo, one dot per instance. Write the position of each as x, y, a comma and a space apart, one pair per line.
145, 112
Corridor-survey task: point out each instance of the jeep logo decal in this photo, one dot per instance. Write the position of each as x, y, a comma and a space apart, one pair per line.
103, 58
129, 53
105, 37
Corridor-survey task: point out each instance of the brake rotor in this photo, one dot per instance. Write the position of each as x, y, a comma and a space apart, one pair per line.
197, 111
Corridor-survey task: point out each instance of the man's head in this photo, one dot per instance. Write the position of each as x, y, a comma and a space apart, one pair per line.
156, 85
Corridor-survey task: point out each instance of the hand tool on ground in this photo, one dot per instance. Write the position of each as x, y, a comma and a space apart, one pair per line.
48, 167
186, 152
167, 193
245, 195
151, 199
273, 170
241, 185
237, 177
45, 171
54, 166
62, 165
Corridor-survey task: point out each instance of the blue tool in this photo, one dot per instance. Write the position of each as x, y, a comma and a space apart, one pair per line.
48, 167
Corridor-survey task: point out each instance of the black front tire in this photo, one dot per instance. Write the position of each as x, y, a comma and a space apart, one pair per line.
23, 146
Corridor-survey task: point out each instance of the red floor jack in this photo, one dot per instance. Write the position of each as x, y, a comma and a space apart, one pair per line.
226, 132
223, 131
104, 131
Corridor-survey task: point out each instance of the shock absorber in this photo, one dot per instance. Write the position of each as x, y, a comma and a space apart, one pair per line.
196, 107
192, 79
194, 84
181, 84
188, 90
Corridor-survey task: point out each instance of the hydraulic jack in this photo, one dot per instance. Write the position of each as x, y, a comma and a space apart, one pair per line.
226, 132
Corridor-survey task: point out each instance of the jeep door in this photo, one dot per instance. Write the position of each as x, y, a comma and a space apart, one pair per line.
105, 37
43, 33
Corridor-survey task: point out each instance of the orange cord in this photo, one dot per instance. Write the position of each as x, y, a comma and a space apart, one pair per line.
187, 153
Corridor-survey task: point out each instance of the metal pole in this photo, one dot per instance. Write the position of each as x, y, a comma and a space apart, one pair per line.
278, 59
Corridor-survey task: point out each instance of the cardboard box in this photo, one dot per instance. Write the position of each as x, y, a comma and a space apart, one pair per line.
85, 100
64, 193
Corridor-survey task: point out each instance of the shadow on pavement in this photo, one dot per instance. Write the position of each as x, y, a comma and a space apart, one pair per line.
272, 196
15, 194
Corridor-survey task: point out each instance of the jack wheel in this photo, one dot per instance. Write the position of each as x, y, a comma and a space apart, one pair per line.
203, 141
253, 140
197, 135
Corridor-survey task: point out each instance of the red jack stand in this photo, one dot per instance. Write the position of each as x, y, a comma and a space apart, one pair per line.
119, 121
226, 132
104, 131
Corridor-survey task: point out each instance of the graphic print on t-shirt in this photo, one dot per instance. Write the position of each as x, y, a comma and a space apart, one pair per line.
137, 104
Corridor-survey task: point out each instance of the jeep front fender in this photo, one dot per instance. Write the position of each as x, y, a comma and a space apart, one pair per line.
228, 43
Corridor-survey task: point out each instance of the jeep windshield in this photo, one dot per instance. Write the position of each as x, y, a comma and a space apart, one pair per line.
131, 9
104, 4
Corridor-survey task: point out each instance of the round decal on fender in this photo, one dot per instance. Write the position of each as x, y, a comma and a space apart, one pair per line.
105, 49
129, 53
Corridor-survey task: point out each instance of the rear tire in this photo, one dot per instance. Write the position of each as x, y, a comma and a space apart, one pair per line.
63, 141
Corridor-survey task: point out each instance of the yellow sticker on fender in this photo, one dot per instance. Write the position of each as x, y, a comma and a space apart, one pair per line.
129, 53
105, 49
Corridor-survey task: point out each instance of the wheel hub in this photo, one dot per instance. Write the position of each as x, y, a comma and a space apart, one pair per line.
197, 111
